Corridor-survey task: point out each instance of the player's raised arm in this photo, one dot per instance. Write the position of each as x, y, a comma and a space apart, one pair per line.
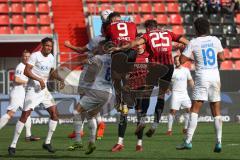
183, 40
75, 48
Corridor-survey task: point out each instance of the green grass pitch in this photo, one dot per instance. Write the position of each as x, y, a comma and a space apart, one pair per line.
159, 146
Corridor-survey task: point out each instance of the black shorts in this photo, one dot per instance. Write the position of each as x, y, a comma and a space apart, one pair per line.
156, 72
120, 61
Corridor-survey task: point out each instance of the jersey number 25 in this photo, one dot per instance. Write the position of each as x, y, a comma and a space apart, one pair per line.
156, 36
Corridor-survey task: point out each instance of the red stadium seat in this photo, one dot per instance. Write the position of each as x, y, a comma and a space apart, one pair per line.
173, 7
18, 30
237, 18
17, 8
17, 20
237, 65
30, 8
3, 0
171, 1
106, 6
137, 19
227, 54
43, 0
236, 53
4, 20
32, 30
4, 8
159, 8
43, 8
44, 20
146, 8
29, 0
147, 17
5, 30
132, 8
45, 30
121, 8
227, 65
178, 30
92, 8
162, 19
175, 19
31, 20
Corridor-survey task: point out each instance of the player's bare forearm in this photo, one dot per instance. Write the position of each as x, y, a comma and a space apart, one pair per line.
183, 40
75, 48
29, 74
19, 81
221, 56
132, 44
54, 75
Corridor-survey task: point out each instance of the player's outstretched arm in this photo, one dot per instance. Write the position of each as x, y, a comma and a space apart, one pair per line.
184, 41
75, 48
127, 46
29, 74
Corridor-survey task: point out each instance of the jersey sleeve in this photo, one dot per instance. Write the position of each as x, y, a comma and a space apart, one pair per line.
174, 36
32, 59
145, 37
18, 71
188, 50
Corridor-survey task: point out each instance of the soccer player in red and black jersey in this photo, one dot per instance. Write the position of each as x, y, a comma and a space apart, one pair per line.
159, 46
120, 33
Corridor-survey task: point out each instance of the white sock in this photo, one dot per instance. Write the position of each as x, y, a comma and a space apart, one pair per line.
4, 120
192, 126
120, 140
139, 142
51, 128
78, 127
18, 131
170, 121
186, 120
83, 117
92, 125
154, 125
28, 126
99, 118
218, 128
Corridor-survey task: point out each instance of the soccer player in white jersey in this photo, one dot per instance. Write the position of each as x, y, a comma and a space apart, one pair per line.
88, 48
96, 95
39, 68
179, 99
17, 96
206, 50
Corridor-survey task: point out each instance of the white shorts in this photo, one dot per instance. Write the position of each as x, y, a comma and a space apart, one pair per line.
207, 91
180, 101
34, 98
17, 96
93, 99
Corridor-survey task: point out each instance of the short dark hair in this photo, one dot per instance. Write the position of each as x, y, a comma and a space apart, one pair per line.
201, 26
113, 15
47, 39
151, 24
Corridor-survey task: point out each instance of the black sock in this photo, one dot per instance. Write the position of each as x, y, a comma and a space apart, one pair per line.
122, 125
158, 110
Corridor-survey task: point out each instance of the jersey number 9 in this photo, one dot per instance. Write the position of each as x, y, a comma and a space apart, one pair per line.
122, 27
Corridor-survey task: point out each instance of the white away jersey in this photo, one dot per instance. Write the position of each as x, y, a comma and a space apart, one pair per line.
103, 77
180, 78
19, 72
94, 42
204, 51
41, 65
